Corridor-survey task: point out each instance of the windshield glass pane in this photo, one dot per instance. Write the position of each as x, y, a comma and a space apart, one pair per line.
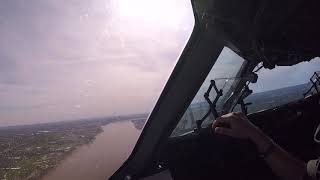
78, 80
225, 74
281, 85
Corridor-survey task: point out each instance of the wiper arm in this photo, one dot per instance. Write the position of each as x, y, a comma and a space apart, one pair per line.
212, 104
245, 93
315, 81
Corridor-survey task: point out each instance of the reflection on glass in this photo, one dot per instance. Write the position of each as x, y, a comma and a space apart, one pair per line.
280, 86
225, 74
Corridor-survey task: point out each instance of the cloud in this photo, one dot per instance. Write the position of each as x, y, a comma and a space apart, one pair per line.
63, 60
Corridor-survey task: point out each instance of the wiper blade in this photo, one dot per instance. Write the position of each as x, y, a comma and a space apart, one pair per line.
212, 104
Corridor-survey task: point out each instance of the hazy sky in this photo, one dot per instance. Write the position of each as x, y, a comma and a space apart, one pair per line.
62, 60
285, 76
73, 59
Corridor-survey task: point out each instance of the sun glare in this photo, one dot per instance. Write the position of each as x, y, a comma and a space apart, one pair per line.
153, 12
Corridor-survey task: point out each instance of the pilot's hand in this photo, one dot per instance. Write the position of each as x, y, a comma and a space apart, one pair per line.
235, 125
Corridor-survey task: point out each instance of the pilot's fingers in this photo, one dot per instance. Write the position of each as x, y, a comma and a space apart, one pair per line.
218, 122
223, 131
234, 115
240, 115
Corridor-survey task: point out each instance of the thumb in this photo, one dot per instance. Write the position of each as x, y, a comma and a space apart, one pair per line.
223, 131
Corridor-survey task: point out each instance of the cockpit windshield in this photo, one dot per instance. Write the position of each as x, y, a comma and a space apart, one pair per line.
225, 74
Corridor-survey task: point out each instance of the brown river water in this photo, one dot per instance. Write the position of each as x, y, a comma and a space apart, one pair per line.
100, 159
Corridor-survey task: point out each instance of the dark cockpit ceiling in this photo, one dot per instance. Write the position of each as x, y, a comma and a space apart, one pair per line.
275, 32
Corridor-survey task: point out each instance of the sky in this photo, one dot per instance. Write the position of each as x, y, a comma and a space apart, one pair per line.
285, 76
66, 60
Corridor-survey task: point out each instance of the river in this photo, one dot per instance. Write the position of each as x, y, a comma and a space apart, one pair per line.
100, 159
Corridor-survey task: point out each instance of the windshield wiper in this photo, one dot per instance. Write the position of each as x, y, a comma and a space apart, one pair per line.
315, 81
212, 104
245, 93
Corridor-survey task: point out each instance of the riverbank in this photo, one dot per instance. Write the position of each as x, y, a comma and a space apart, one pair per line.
31, 153
101, 158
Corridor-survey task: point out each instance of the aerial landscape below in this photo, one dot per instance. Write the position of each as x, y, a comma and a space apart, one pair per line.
30, 151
